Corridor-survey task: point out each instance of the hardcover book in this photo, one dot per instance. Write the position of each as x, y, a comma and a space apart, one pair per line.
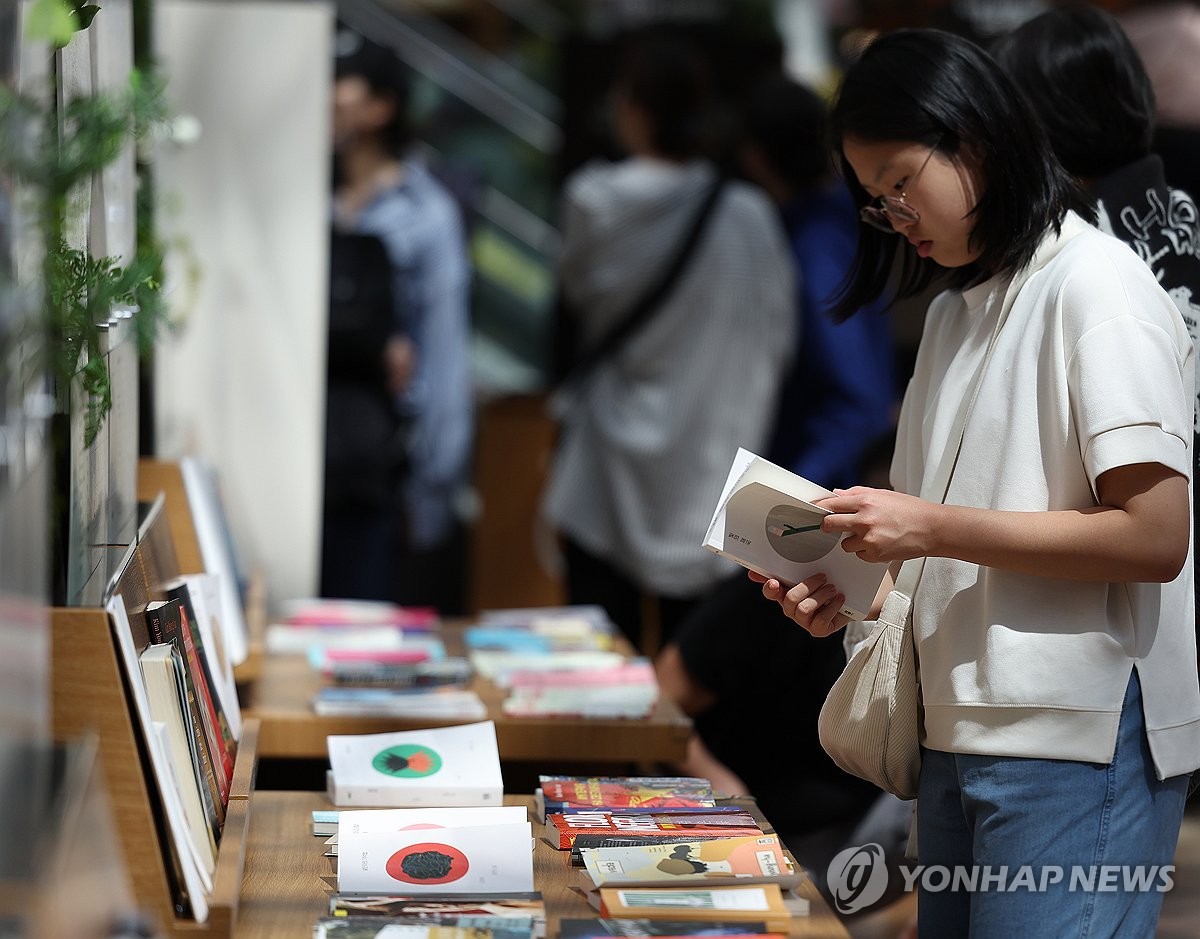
746, 860
438, 766
766, 521
478, 859
765, 903
555, 793
562, 828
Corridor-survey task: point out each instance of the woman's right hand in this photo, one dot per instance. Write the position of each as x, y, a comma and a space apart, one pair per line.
813, 603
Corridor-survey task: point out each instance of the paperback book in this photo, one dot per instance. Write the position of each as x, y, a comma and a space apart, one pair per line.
445, 907
555, 793
329, 611
375, 927
453, 671
434, 703
766, 521
499, 665
597, 928
362, 821
748, 860
168, 621
562, 829
624, 841
437, 766
628, 701
476, 859
200, 594
188, 852
765, 903
325, 822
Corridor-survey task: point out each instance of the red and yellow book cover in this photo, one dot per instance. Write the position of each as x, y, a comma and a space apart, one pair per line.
563, 828
622, 792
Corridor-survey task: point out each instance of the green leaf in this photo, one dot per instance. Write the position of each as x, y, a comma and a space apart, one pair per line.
86, 14
51, 21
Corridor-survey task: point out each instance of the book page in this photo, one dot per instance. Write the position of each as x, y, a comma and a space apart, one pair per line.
767, 522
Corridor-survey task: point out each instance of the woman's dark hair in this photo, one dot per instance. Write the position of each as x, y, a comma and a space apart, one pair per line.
667, 77
1086, 82
385, 75
786, 121
933, 87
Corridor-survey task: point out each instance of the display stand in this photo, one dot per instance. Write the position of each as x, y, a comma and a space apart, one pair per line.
90, 696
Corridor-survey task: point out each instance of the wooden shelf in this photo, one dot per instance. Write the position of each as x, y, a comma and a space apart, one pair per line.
91, 696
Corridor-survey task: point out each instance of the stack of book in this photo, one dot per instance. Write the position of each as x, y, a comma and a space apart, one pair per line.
561, 662
346, 624
180, 677
437, 766
436, 873
379, 660
662, 849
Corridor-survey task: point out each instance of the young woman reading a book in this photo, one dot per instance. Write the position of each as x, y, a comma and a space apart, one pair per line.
1054, 618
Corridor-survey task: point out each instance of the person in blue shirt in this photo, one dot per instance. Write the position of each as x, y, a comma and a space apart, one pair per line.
381, 190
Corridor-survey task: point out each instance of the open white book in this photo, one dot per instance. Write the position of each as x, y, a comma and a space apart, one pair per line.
766, 521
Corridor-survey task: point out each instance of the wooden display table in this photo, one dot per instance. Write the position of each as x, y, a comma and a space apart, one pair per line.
280, 698
288, 879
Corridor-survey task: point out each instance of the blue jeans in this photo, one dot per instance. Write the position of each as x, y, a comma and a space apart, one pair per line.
985, 812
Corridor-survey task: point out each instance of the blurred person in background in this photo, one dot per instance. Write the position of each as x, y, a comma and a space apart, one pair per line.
737, 657
1086, 82
649, 433
380, 190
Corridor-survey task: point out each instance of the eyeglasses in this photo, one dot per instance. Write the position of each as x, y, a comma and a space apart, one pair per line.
886, 212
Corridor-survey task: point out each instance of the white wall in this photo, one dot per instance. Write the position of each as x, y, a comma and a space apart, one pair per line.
242, 383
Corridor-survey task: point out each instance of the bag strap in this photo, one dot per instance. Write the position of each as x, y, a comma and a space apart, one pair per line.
910, 571
651, 299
